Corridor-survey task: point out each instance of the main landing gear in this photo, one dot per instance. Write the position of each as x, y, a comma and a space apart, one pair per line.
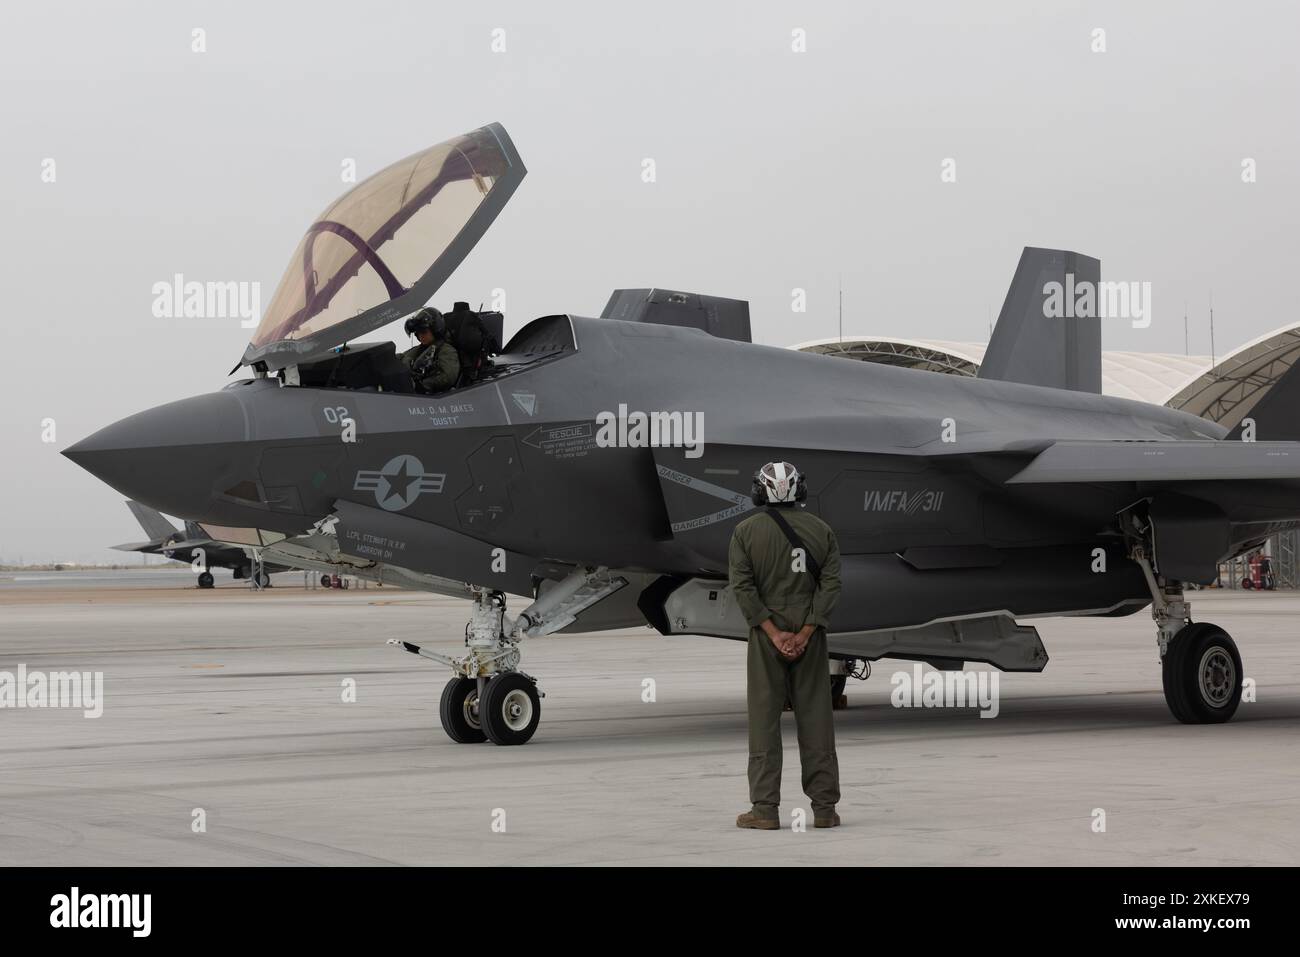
489, 698
1199, 662
256, 572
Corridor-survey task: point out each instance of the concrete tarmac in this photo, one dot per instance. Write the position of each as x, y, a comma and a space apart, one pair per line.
231, 702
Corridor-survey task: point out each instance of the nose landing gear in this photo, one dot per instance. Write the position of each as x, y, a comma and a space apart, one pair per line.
490, 699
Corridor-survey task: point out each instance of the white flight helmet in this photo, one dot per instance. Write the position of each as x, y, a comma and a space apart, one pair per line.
778, 483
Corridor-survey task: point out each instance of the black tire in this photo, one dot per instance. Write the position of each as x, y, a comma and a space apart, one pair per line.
458, 710
263, 579
838, 684
206, 580
324, 581
511, 709
1202, 675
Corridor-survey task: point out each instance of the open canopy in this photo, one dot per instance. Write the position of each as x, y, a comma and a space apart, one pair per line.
383, 249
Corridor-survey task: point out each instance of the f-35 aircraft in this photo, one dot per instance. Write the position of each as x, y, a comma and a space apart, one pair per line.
597, 466
194, 546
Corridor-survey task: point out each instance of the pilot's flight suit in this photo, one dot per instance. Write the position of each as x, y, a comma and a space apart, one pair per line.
441, 374
766, 585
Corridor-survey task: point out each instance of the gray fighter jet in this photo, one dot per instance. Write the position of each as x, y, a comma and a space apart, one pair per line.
597, 466
194, 546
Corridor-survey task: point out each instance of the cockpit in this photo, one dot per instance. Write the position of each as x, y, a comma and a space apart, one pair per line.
379, 253
377, 367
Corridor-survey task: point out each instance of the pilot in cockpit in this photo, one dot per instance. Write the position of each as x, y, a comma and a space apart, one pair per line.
433, 362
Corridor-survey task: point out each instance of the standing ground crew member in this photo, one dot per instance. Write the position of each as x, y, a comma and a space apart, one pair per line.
785, 573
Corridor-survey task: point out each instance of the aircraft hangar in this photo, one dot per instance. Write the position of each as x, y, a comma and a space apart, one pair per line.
1224, 390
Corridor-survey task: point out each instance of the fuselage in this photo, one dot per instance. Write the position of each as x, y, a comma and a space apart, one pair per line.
896, 459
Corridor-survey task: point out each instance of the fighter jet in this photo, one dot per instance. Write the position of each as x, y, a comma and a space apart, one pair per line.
597, 466
194, 546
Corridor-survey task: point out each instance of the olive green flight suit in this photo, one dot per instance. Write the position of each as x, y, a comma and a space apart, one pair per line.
766, 585
439, 375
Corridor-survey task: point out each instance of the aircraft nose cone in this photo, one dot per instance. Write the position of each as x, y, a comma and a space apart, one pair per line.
172, 457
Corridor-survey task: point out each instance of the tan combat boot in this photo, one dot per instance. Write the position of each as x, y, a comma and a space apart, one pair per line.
758, 822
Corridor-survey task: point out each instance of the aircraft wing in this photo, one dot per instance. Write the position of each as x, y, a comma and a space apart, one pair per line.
1172, 461
136, 547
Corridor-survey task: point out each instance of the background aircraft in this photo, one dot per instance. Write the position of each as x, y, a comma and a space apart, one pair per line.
598, 466
194, 547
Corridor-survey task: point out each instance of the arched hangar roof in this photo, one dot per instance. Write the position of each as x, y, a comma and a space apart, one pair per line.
1228, 392
1145, 376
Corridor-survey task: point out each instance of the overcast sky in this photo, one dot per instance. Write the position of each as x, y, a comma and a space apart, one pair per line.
775, 170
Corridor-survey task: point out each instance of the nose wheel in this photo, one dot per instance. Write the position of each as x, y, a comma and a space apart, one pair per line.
459, 711
507, 711
511, 708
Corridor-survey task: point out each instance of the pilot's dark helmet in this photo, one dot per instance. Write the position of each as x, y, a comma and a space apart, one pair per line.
778, 483
427, 318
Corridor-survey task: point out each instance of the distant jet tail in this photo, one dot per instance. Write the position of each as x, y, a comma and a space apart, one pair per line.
155, 526
1030, 344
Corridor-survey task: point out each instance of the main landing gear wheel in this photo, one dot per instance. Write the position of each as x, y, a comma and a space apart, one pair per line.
206, 580
459, 711
510, 708
1202, 675
263, 579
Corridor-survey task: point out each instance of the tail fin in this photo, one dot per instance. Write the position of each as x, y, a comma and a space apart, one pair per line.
1028, 346
155, 526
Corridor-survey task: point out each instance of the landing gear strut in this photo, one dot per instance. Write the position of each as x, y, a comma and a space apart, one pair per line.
489, 698
1200, 666
256, 572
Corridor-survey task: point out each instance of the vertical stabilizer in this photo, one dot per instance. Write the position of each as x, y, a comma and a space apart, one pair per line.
1032, 347
152, 521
